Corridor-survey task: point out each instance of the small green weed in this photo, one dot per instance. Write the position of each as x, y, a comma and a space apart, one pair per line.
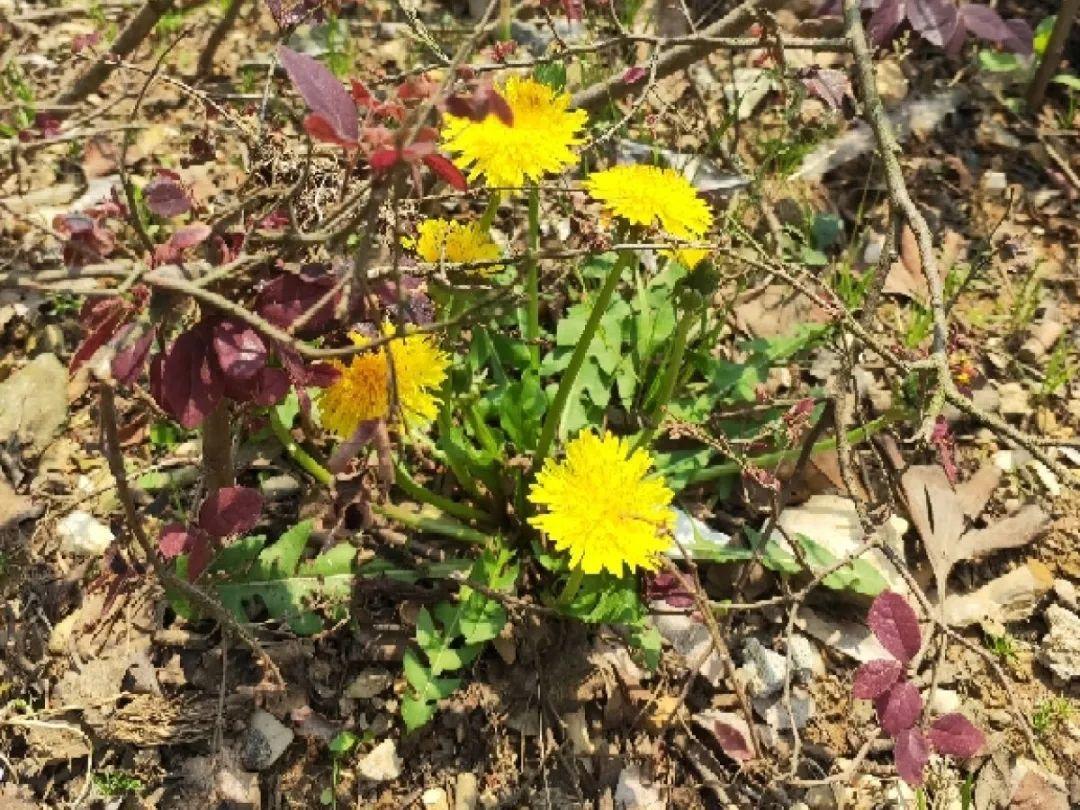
1051, 713
1060, 368
1003, 646
116, 783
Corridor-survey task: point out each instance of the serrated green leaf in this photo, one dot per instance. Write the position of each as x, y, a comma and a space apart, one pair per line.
416, 713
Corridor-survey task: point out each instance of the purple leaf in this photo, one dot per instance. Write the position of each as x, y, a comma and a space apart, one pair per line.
101, 319
241, 352
896, 626
935, 20
885, 20
831, 86
323, 93
733, 740
199, 554
447, 171
911, 754
984, 22
268, 387
190, 382
175, 539
875, 678
1021, 38
133, 348
287, 13
288, 296
166, 197
230, 510
187, 237
954, 734
899, 708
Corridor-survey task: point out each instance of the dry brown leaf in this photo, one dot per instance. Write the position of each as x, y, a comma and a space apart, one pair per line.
941, 512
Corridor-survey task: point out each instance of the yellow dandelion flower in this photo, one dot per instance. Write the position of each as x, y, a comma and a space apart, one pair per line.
444, 240
362, 391
648, 195
601, 507
688, 257
539, 142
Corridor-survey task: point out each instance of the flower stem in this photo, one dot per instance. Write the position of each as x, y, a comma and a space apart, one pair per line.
570, 589
298, 453
431, 520
532, 278
489, 213
420, 493
669, 377
569, 377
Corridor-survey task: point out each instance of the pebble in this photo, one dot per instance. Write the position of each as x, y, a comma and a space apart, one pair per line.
265, 741
466, 792
279, 487
805, 659
774, 712
1065, 592
369, 683
1060, 648
764, 669
33, 402
83, 535
435, 799
381, 764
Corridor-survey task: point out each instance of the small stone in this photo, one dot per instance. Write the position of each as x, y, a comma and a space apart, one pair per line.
369, 683
764, 669
33, 402
1060, 649
435, 799
995, 181
465, 792
1014, 400
805, 659
279, 487
1065, 592
382, 763
945, 701
265, 741
821, 797
83, 535
775, 713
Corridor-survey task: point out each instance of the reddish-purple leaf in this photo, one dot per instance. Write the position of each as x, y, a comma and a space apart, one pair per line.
896, 626
885, 20
287, 13
733, 741
447, 171
241, 353
288, 296
81, 42
911, 754
955, 735
984, 22
321, 375
874, 678
268, 387
102, 322
320, 129
1021, 38
323, 93
133, 344
230, 510
485, 100
175, 539
831, 86
634, 75
935, 20
166, 196
191, 384
187, 237
899, 708
200, 553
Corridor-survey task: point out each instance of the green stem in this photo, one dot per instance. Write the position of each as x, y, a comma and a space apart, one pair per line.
569, 377
431, 520
570, 589
669, 377
532, 278
297, 453
855, 436
421, 494
489, 213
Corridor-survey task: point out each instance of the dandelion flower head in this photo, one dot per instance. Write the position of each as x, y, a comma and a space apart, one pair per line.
361, 392
688, 257
445, 240
540, 141
650, 196
601, 507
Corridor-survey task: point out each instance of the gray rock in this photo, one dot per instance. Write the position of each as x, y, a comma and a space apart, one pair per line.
369, 683
33, 403
764, 669
381, 764
775, 713
1060, 649
805, 659
265, 741
279, 487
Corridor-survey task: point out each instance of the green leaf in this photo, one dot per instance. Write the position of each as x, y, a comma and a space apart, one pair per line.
521, 410
1042, 34
343, 743
858, 576
278, 579
999, 62
416, 713
553, 74
1067, 80
606, 599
